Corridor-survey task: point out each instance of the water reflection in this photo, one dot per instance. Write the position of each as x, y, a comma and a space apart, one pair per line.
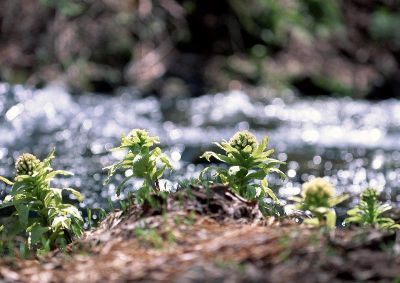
355, 143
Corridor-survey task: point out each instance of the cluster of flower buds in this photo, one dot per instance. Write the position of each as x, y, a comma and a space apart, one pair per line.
141, 138
318, 189
26, 164
243, 139
370, 195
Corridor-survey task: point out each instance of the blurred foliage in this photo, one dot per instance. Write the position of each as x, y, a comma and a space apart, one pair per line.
385, 26
319, 197
39, 213
100, 45
249, 163
271, 20
370, 212
66, 7
143, 161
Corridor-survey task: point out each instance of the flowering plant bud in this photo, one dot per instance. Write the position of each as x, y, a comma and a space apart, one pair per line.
249, 163
318, 191
26, 164
244, 139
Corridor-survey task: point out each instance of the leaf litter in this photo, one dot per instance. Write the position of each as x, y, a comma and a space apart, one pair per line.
215, 236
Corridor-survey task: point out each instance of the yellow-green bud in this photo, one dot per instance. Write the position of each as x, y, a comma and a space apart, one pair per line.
318, 189
242, 139
142, 138
26, 164
370, 195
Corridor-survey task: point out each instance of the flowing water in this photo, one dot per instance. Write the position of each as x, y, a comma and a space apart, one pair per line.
355, 143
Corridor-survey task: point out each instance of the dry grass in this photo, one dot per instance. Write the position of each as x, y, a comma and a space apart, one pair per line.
189, 245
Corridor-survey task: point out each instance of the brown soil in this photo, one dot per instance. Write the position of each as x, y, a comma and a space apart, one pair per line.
213, 237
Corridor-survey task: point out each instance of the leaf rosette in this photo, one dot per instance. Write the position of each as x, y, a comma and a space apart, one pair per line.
370, 212
39, 211
248, 165
142, 161
318, 197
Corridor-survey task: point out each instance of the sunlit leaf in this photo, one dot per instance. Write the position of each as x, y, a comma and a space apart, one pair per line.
331, 219
75, 193
5, 180
337, 199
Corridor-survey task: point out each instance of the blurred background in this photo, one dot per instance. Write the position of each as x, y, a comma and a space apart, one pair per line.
320, 77
332, 47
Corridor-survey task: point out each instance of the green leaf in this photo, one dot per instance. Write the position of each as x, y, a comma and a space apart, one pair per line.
75, 193
156, 152
282, 175
7, 204
5, 180
36, 232
353, 219
239, 159
166, 161
142, 166
120, 186
383, 208
267, 153
331, 219
270, 163
258, 175
219, 171
51, 175
268, 191
52, 196
261, 147
20, 186
272, 195
61, 223
312, 221
337, 199
49, 158
353, 211
248, 149
208, 154
23, 213
71, 210
225, 146
296, 199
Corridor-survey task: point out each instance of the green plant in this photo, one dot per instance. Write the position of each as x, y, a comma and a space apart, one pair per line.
142, 162
369, 212
186, 184
17, 247
272, 20
39, 212
94, 217
318, 197
248, 166
383, 27
66, 7
125, 204
149, 236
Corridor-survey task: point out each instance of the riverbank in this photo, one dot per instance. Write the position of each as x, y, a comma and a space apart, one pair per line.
217, 237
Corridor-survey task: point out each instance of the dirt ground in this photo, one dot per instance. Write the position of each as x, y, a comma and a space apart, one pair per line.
213, 237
